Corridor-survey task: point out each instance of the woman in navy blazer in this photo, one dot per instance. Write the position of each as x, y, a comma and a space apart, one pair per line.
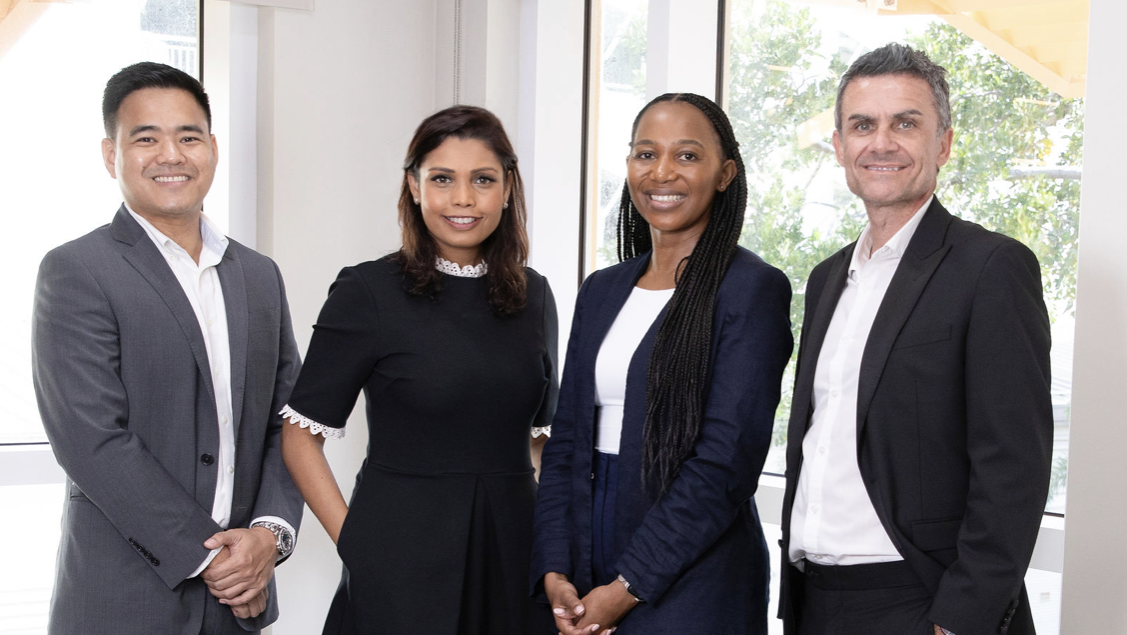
668, 540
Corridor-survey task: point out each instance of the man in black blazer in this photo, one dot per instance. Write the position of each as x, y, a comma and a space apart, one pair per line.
918, 452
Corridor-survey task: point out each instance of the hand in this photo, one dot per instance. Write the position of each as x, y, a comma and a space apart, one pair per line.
606, 606
564, 599
241, 575
253, 608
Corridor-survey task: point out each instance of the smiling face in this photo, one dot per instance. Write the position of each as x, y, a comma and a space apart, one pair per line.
890, 144
675, 168
461, 188
162, 154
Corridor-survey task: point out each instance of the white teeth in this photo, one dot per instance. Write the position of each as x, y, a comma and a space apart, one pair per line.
876, 169
461, 220
666, 198
170, 179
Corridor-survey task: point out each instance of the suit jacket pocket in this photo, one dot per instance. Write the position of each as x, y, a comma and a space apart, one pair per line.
77, 494
933, 535
930, 334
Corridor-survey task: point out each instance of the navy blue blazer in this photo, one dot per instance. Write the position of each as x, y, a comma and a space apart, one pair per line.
696, 554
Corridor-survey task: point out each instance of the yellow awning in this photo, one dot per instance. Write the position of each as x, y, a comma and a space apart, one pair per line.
1047, 39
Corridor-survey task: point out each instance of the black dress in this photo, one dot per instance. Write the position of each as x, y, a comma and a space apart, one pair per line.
439, 529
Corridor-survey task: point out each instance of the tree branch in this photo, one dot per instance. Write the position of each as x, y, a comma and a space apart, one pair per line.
1066, 172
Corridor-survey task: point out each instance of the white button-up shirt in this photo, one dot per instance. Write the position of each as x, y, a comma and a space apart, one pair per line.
833, 521
200, 283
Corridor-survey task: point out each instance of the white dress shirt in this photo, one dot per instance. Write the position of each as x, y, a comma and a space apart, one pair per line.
833, 521
629, 328
200, 283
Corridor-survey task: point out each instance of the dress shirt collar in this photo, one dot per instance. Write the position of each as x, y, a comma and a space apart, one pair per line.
895, 246
214, 242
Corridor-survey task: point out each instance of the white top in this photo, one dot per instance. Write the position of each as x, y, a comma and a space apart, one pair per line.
200, 283
833, 521
633, 321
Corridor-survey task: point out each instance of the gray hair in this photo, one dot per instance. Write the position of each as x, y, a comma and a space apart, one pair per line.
900, 59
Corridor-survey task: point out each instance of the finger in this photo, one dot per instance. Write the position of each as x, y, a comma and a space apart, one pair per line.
219, 539
248, 594
241, 611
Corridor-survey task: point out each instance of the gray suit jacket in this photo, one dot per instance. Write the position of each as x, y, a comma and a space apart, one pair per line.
125, 391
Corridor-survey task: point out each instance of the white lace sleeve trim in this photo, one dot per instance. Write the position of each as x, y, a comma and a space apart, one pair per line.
293, 416
546, 431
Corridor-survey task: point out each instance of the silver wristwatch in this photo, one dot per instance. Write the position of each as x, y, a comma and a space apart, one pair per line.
283, 539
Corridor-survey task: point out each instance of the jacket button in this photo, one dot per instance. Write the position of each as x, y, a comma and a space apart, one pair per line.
592, 476
207, 459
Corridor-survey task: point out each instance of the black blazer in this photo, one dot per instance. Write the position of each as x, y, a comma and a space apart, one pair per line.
697, 554
954, 420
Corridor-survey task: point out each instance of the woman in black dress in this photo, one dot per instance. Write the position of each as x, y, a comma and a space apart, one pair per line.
453, 341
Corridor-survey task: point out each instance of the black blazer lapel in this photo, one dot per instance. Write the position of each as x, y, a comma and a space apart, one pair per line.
144, 256
924, 253
233, 281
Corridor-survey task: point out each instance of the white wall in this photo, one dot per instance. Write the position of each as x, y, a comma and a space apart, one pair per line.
1095, 565
341, 89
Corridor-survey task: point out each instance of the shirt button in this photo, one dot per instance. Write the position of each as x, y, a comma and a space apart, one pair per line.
822, 450
230, 469
207, 459
209, 321
814, 509
835, 392
224, 420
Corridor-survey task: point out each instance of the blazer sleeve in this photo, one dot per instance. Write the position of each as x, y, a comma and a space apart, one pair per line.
277, 494
82, 400
547, 410
1009, 443
750, 351
551, 545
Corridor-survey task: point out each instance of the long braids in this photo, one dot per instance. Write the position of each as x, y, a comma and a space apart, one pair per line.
677, 377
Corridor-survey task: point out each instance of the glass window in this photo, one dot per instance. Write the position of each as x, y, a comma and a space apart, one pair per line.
618, 92
55, 59
1014, 166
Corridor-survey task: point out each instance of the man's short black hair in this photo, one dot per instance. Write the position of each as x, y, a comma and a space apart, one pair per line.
147, 75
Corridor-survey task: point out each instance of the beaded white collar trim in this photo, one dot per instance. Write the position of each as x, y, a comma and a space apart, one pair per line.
452, 268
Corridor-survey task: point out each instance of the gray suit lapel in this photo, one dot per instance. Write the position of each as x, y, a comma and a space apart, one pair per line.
924, 253
233, 281
144, 256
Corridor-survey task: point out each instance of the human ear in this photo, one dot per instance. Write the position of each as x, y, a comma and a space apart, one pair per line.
109, 156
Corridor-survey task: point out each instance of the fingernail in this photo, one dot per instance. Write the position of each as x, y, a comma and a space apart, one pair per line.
558, 611
579, 609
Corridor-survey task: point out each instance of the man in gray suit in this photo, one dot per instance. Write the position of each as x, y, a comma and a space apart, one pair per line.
162, 353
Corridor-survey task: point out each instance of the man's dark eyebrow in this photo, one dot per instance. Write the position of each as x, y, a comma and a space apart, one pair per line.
143, 128
907, 114
148, 127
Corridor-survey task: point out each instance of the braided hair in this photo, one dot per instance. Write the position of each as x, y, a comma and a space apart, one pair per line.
677, 377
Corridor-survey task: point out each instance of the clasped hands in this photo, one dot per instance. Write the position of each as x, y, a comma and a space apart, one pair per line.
597, 613
240, 571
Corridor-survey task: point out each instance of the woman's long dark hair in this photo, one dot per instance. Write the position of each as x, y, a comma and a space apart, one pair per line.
505, 250
677, 378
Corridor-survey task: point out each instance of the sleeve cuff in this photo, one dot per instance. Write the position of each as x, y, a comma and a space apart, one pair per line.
545, 430
295, 417
203, 565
